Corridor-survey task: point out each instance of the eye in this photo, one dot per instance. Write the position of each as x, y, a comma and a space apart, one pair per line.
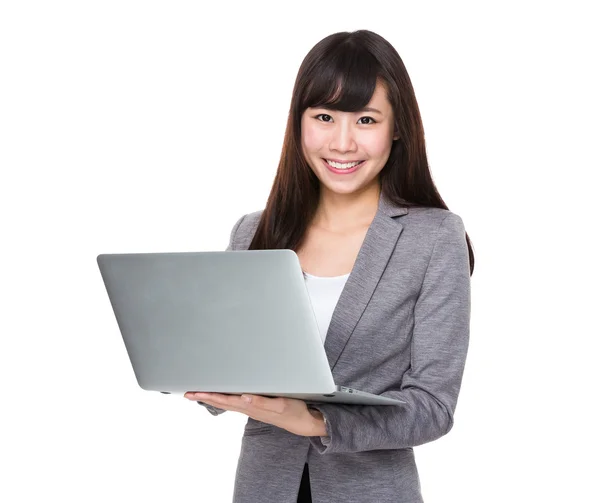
369, 118
328, 118
325, 116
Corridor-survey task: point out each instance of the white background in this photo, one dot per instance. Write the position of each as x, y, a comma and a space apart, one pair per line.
153, 126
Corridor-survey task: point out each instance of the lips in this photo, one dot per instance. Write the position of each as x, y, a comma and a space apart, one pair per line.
343, 168
343, 164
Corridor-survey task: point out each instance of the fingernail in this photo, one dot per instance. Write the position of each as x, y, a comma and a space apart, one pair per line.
246, 398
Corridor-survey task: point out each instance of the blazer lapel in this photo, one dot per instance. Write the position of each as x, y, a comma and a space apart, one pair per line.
372, 259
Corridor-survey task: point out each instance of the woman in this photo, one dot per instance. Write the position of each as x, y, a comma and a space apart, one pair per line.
388, 268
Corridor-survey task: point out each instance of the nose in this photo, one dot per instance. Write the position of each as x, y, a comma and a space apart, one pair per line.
342, 138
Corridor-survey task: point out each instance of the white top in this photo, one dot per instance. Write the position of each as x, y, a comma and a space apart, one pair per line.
324, 293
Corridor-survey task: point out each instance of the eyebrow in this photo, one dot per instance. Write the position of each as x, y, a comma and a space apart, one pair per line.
370, 109
366, 109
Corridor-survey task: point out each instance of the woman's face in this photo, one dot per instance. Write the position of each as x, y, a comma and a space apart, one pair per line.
333, 142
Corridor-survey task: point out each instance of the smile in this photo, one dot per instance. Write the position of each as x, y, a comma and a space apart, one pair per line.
343, 167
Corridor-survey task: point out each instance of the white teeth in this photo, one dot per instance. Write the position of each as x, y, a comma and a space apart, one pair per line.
338, 165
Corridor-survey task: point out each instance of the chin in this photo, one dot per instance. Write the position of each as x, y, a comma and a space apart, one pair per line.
339, 189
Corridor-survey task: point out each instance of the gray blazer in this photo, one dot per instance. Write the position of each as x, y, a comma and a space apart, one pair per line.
400, 329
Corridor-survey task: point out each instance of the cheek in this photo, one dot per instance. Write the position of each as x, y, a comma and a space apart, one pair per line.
377, 145
311, 139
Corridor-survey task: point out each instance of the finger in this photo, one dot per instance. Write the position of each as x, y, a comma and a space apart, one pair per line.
229, 402
244, 401
195, 395
236, 403
265, 403
218, 398
222, 404
241, 403
218, 405
198, 395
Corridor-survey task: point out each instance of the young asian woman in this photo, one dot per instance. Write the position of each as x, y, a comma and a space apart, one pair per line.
388, 269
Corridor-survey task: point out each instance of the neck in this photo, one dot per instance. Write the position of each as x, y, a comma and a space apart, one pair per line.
346, 212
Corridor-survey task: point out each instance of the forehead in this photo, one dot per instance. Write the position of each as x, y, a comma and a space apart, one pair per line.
380, 95
379, 100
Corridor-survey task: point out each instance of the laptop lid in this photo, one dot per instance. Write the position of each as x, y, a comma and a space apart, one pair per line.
224, 321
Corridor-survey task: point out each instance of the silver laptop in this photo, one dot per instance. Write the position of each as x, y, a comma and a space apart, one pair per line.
223, 321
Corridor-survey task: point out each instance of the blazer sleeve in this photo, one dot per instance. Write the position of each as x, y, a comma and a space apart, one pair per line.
431, 385
215, 411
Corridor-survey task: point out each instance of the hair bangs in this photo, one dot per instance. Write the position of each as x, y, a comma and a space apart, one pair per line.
344, 80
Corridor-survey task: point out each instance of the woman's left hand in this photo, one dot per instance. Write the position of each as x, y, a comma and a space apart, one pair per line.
287, 413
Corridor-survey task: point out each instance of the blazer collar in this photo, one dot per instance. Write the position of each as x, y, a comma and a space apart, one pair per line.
390, 208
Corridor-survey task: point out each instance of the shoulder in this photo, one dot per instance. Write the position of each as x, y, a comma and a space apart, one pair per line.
253, 218
432, 233
249, 223
245, 227
438, 236
432, 221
